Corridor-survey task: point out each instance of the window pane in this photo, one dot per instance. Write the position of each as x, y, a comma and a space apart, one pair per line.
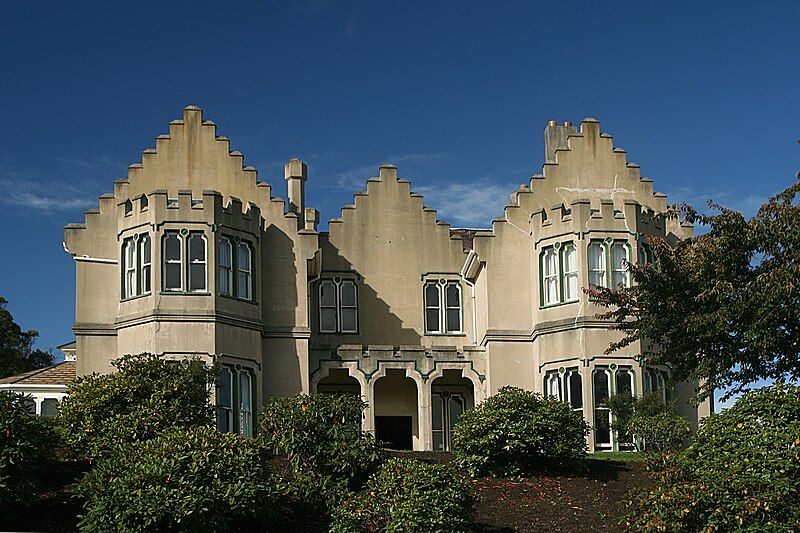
348, 320
453, 296
49, 407
327, 294
197, 277
432, 320
243, 285
436, 411
244, 257
624, 383
575, 390
197, 248
453, 320
549, 262
619, 254
30, 405
172, 276
602, 430
431, 295
146, 279
348, 289
245, 404
328, 319
571, 286
600, 387
144, 245
225, 253
553, 385
172, 247
551, 290
224, 280
456, 408
224, 392
224, 420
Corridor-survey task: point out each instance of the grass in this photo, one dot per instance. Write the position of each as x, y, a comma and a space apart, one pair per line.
616, 456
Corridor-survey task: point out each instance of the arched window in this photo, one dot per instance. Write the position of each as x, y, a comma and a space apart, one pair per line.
197, 262
597, 264
338, 306
245, 404
235, 399
348, 307
601, 382
172, 253
619, 260
569, 263
550, 276
145, 264
646, 255
129, 268
452, 293
225, 262
432, 308
328, 322
244, 269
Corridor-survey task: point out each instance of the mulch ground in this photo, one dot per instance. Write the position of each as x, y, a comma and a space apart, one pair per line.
593, 501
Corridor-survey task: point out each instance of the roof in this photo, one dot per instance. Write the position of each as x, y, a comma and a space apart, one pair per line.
58, 374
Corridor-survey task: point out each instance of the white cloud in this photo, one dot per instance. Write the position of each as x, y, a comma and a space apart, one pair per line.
473, 204
44, 196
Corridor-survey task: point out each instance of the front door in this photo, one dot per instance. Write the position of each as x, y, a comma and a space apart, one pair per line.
394, 431
445, 409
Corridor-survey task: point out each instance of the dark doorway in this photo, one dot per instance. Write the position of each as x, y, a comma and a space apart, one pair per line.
394, 431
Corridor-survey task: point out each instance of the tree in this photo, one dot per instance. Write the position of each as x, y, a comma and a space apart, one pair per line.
16, 346
721, 308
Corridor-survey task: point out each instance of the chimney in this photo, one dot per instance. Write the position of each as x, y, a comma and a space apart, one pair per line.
555, 137
296, 174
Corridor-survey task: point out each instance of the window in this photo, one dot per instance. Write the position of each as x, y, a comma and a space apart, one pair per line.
601, 383
559, 274
197, 262
136, 266
655, 381
442, 307
623, 381
240, 264
172, 252
338, 306
565, 385
569, 265
235, 400
646, 255
446, 408
244, 272
225, 262
48, 407
609, 252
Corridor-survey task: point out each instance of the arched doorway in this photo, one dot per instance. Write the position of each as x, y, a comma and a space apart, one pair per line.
338, 380
451, 395
396, 420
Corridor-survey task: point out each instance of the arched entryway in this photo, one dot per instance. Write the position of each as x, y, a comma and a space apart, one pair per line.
451, 395
338, 380
396, 417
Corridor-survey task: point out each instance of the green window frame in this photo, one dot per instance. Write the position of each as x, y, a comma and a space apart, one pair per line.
606, 260
136, 266
558, 274
236, 400
235, 268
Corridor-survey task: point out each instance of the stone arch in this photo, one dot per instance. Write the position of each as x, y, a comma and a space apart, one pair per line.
401, 406
353, 372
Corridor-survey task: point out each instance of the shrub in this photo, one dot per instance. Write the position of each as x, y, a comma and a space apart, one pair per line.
322, 438
740, 472
147, 396
26, 440
656, 428
408, 496
188, 479
515, 431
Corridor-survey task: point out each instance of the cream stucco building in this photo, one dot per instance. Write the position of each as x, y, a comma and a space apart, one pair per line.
192, 256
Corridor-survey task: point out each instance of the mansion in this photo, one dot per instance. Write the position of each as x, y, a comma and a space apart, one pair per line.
192, 256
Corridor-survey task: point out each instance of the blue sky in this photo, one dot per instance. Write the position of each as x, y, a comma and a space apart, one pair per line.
705, 96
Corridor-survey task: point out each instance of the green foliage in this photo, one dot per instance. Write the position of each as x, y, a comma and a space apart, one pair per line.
515, 431
26, 440
408, 496
147, 396
322, 438
656, 428
741, 471
721, 308
16, 346
188, 479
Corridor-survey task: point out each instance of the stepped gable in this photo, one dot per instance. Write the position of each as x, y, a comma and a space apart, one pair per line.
586, 181
377, 187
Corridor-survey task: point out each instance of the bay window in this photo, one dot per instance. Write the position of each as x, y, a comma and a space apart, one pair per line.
136, 269
172, 254
609, 253
558, 266
235, 400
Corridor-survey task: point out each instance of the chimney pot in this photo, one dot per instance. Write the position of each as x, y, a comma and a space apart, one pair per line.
567, 123
553, 123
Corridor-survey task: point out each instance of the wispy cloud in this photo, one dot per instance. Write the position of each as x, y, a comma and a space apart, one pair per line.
355, 177
44, 196
472, 204
745, 202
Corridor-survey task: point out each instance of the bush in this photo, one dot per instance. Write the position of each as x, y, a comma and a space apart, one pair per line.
26, 441
147, 396
655, 427
741, 471
515, 431
322, 438
188, 479
408, 496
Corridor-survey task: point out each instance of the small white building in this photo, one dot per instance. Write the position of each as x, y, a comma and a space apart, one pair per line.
46, 386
